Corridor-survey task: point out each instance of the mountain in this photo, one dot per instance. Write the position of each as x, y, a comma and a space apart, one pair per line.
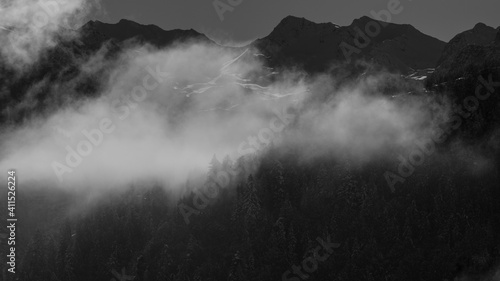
480, 35
293, 42
299, 41
468, 56
469, 53
94, 33
401, 47
61, 63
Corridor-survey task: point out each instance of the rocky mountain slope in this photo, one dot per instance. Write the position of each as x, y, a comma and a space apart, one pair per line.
469, 53
481, 35
313, 46
96, 32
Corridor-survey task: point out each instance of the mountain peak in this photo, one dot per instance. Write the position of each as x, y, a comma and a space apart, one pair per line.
363, 19
126, 21
480, 35
294, 21
481, 25
291, 28
92, 23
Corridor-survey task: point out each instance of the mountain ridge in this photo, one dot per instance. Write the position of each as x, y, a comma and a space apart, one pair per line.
481, 34
125, 30
300, 42
315, 46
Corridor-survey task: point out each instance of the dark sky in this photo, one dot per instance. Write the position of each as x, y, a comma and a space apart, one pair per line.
256, 18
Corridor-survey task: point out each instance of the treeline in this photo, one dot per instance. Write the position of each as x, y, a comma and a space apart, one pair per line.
444, 221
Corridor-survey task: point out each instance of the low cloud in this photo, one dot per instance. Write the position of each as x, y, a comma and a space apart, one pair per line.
28, 27
161, 115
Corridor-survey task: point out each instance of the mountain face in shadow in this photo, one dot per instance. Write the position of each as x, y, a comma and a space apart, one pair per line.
469, 53
95, 33
497, 39
480, 35
469, 59
61, 63
297, 41
399, 47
